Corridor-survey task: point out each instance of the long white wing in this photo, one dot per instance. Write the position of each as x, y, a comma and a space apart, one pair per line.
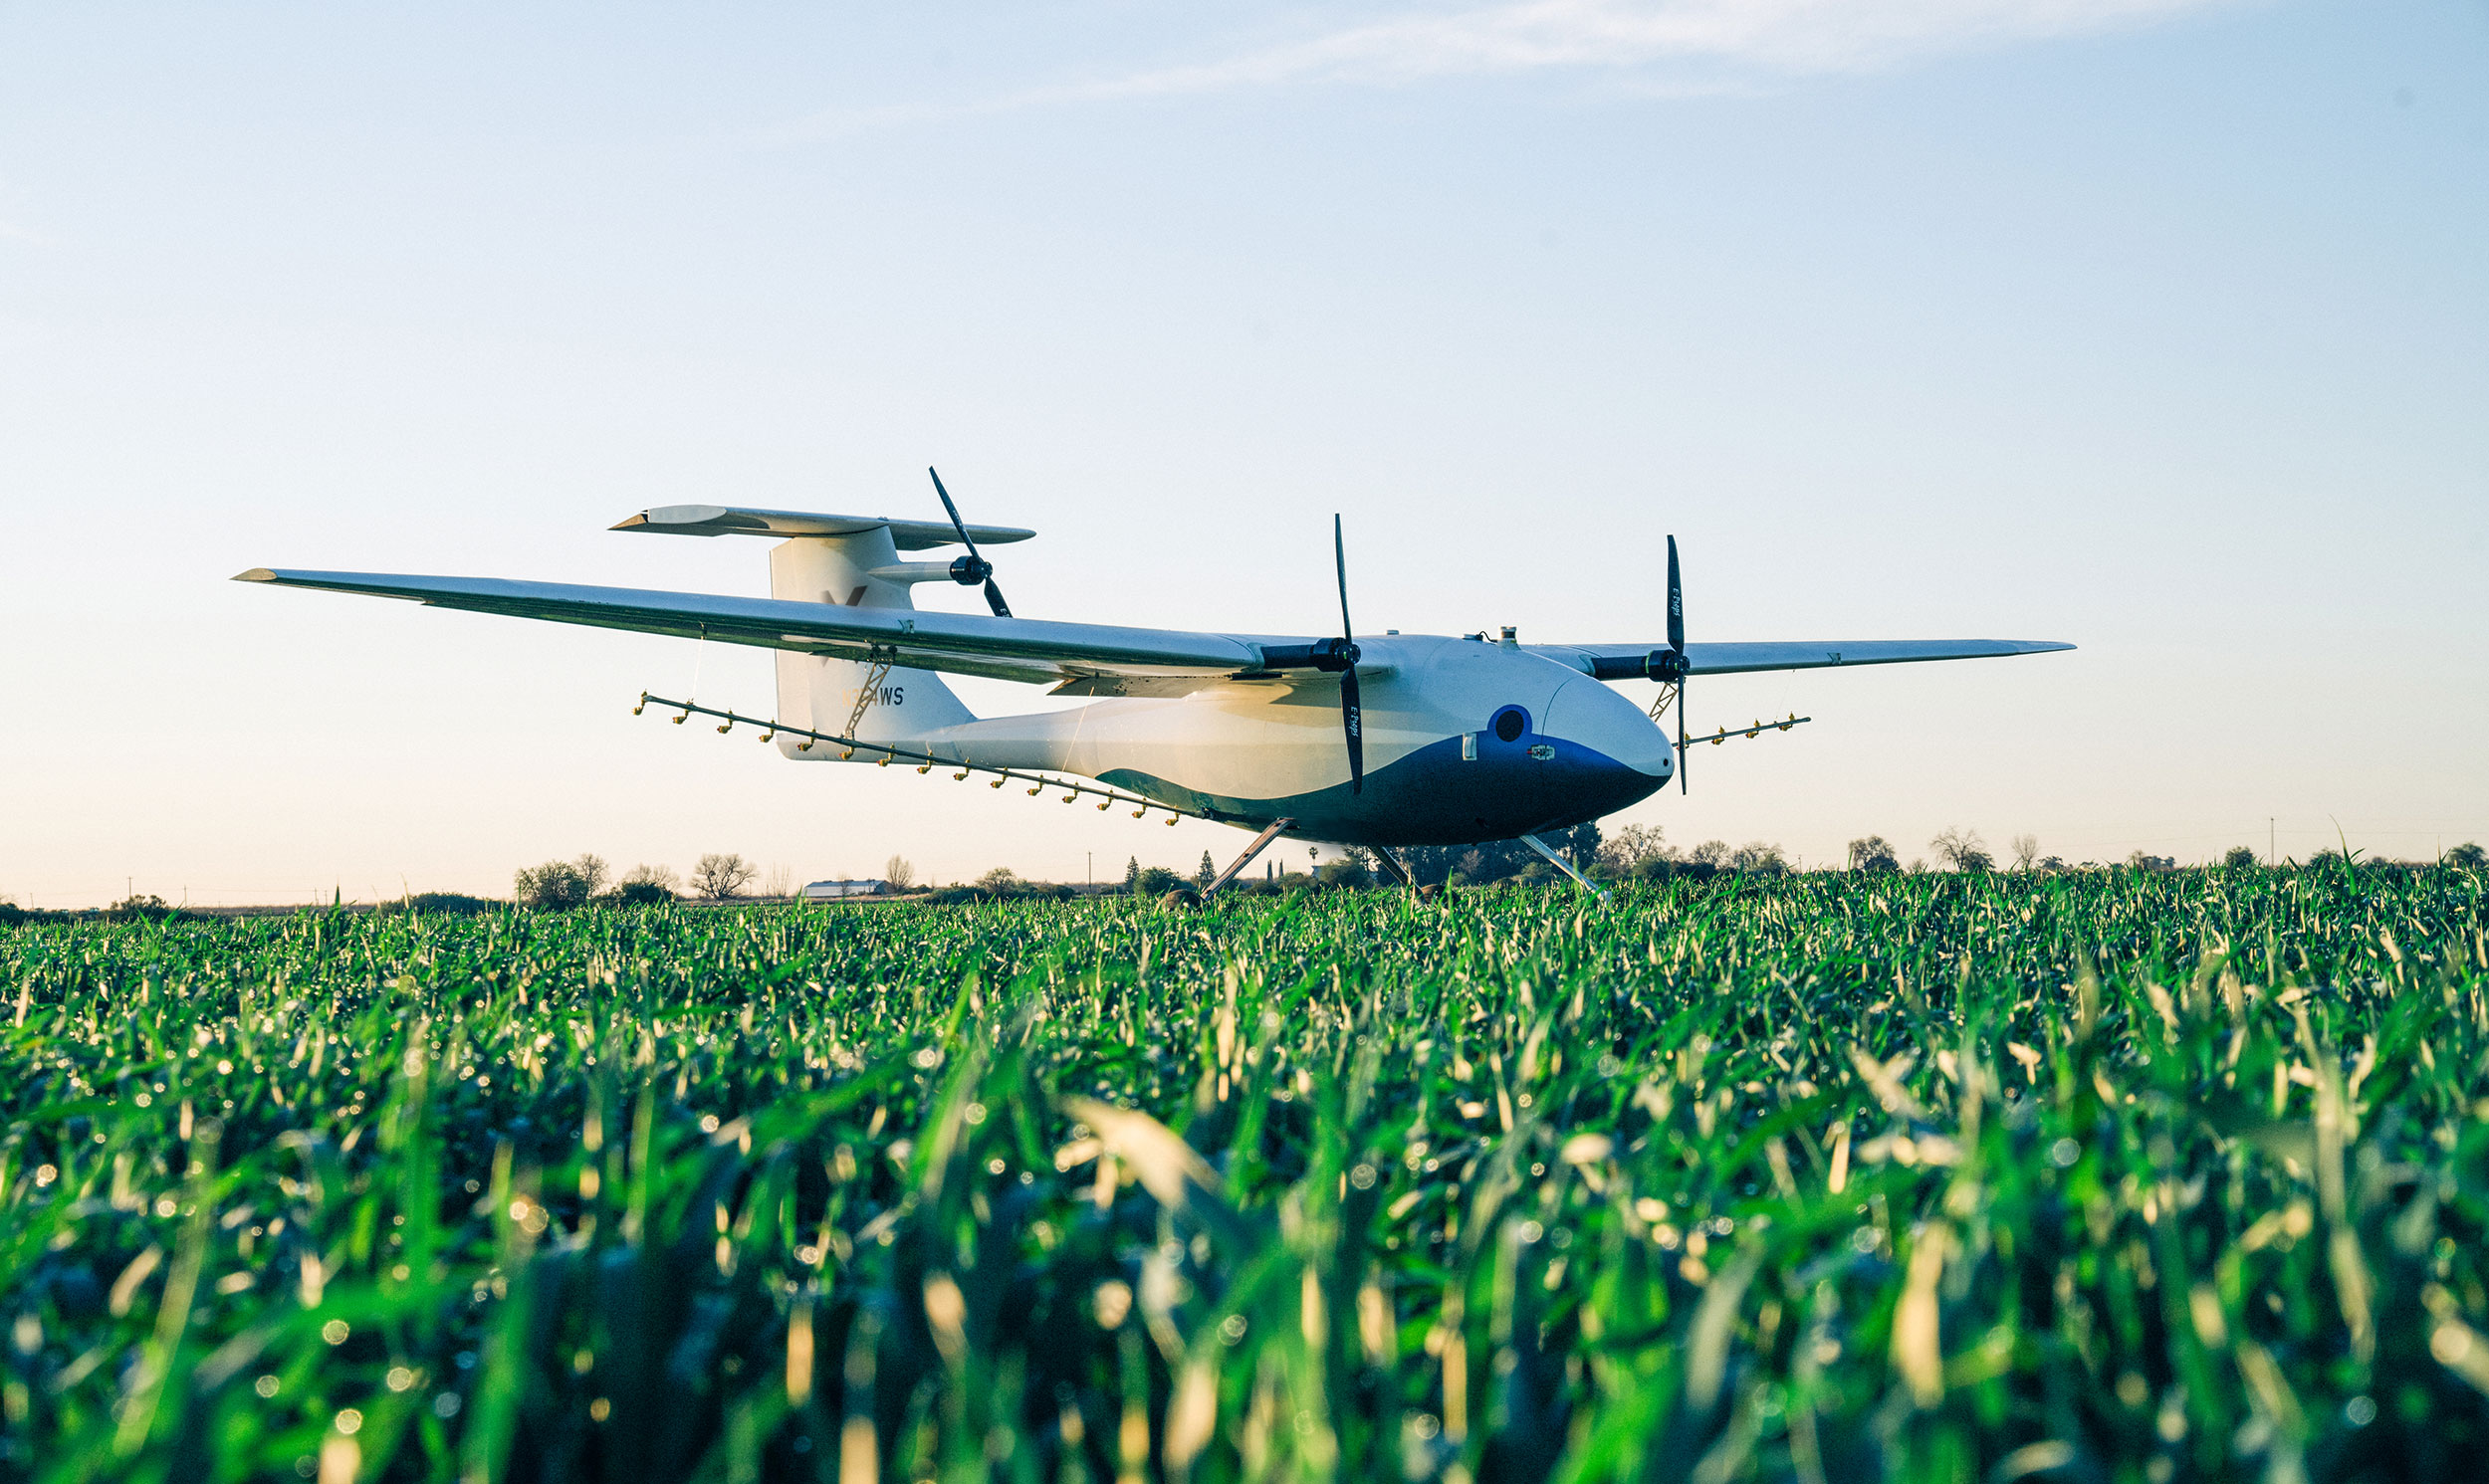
1023, 649
1621, 661
1095, 659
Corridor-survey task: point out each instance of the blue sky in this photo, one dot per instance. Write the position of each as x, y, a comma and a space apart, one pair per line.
2157, 327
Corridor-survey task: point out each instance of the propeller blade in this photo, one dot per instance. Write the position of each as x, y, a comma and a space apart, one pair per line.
1677, 643
1340, 560
1676, 601
976, 566
962, 527
1352, 714
1353, 725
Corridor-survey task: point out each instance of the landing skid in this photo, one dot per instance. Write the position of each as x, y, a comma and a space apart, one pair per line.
1557, 858
1260, 843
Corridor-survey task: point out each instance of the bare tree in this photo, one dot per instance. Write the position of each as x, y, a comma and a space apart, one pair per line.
644, 885
1631, 846
1874, 853
2026, 850
779, 883
1709, 853
1758, 858
660, 877
718, 877
1962, 850
899, 872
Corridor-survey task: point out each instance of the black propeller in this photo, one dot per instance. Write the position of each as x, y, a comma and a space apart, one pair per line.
1351, 711
1333, 656
971, 569
1670, 664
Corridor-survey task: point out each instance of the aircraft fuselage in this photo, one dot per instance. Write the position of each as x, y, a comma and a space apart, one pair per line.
1465, 740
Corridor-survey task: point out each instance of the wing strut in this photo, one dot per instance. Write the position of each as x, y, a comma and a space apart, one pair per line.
1260, 843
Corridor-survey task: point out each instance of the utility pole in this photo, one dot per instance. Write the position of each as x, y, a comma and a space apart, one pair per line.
2269, 858
1092, 873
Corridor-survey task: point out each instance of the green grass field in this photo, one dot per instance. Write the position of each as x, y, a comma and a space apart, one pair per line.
2107, 1177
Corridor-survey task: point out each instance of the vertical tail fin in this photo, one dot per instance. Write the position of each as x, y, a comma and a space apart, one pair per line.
852, 698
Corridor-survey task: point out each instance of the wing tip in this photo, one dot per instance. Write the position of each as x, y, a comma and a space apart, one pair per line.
694, 519
255, 575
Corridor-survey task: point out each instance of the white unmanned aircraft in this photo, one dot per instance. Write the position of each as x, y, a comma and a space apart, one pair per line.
1376, 740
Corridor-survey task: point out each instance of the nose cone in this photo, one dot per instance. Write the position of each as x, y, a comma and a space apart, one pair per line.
1591, 716
1600, 754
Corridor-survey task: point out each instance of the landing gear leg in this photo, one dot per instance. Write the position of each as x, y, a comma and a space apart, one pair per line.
1563, 865
1393, 868
1260, 843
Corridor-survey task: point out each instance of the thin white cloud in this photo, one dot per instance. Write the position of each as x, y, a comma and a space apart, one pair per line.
1772, 36
1696, 45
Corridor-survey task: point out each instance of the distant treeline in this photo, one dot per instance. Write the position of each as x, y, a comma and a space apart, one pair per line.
1634, 853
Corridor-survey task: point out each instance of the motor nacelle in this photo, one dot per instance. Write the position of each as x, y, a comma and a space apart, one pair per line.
1666, 666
